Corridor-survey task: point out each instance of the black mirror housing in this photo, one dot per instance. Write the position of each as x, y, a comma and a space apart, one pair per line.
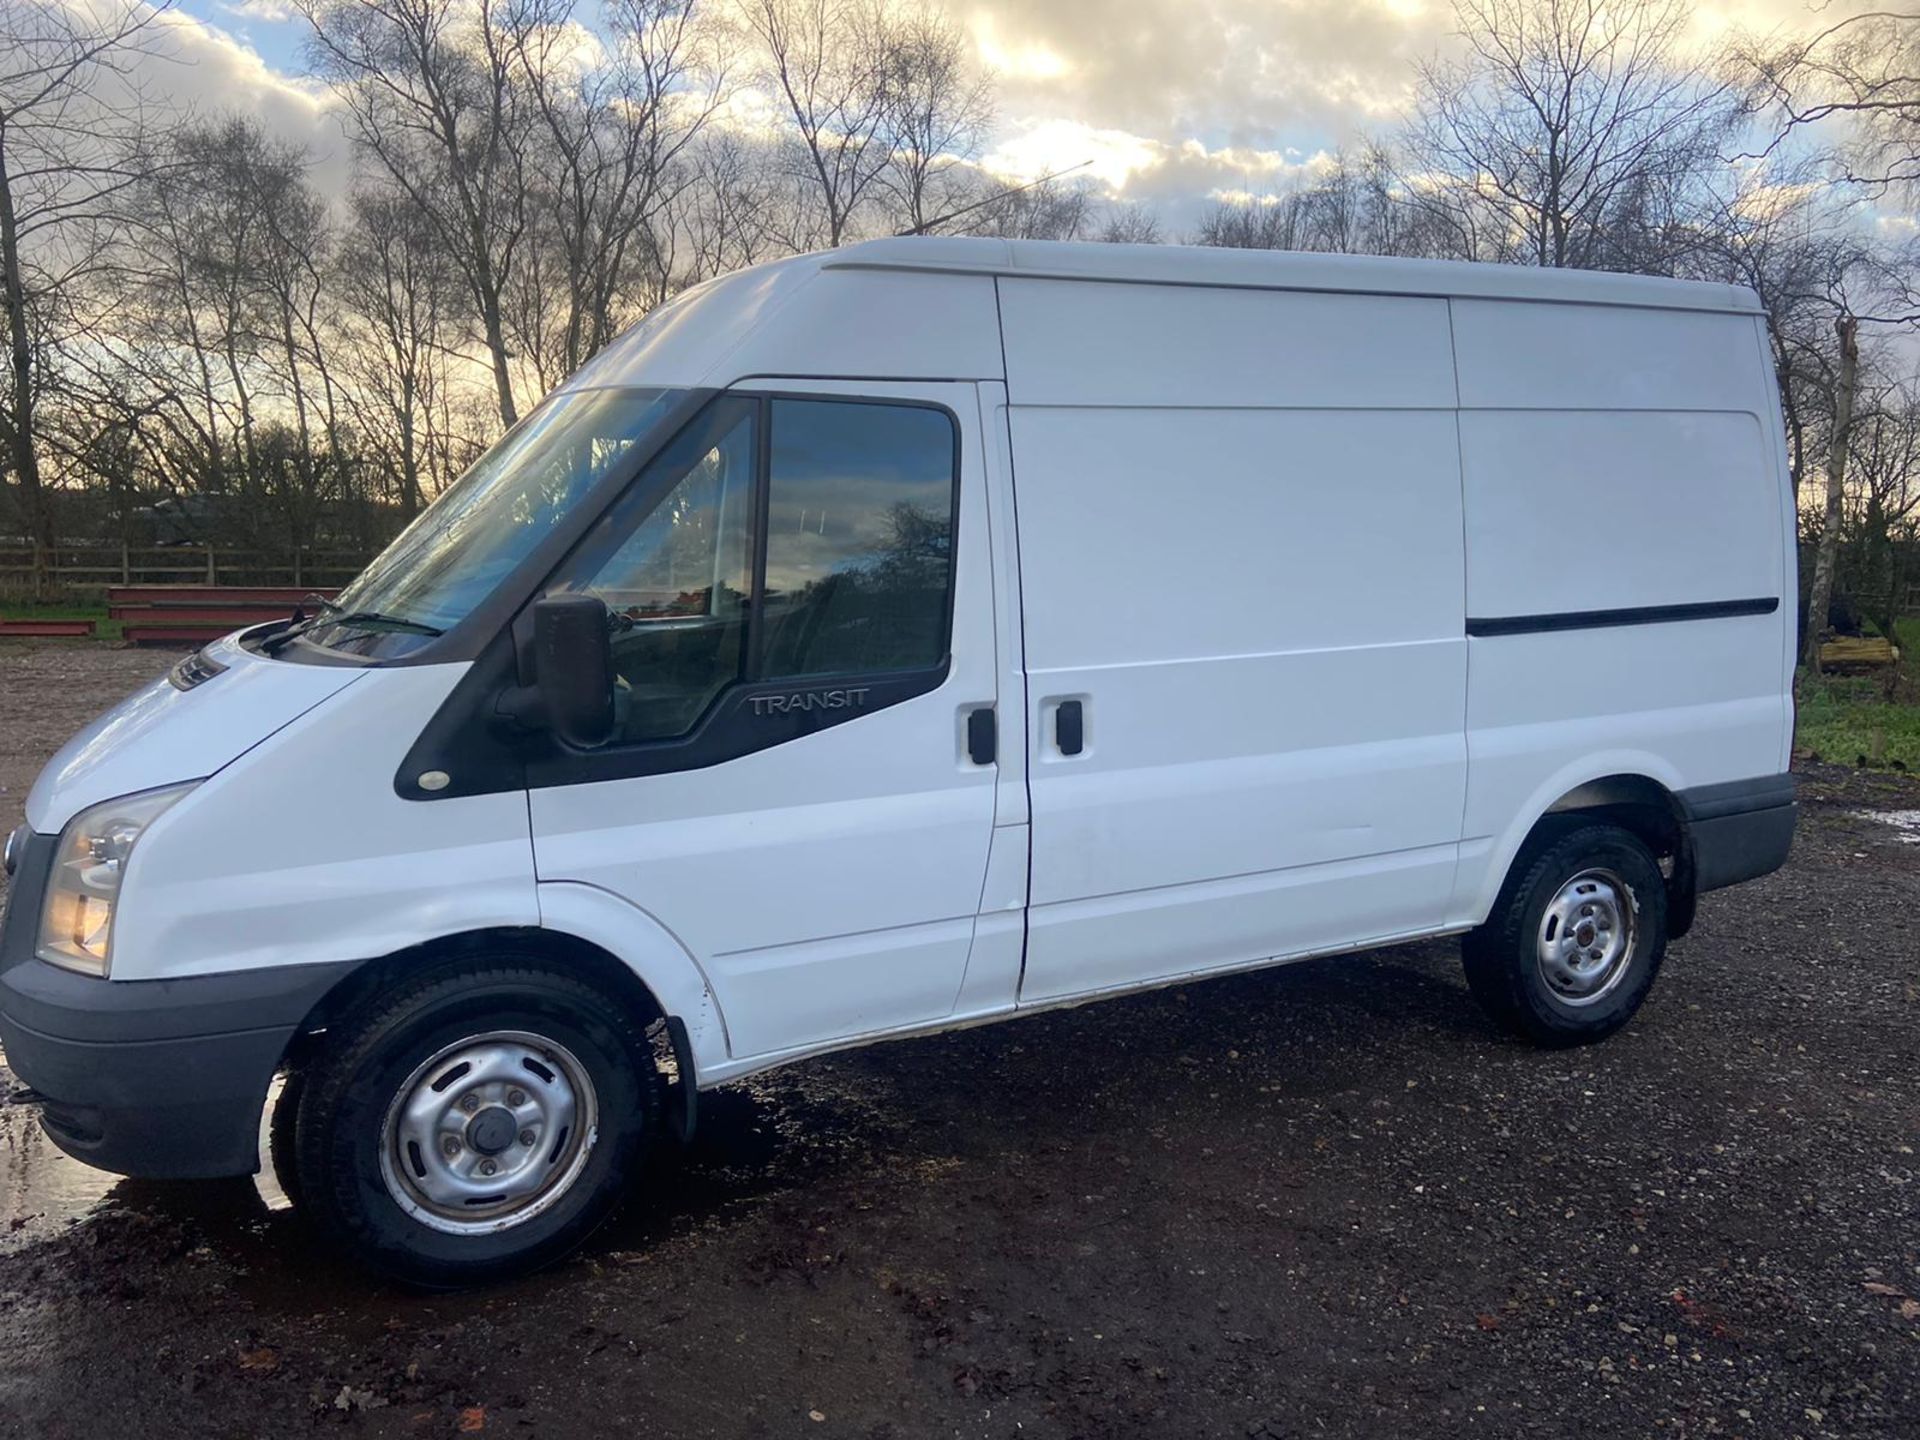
572, 691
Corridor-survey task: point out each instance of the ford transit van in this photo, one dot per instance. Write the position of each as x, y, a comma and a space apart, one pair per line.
929, 632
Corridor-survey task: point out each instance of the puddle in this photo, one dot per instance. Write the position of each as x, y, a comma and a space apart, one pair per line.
1905, 823
754, 1139
43, 1190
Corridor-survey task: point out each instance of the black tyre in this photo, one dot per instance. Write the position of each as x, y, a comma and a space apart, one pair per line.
1576, 937
475, 1123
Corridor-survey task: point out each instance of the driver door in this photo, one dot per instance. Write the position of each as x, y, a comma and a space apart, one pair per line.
801, 594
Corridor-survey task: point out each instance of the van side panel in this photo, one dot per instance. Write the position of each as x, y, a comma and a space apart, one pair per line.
1182, 346
1533, 355
1614, 459
795, 318
1254, 590
1573, 511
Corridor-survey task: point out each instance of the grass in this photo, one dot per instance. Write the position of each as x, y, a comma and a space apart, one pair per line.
104, 629
1849, 721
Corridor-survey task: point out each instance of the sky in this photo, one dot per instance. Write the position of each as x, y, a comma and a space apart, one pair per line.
1174, 102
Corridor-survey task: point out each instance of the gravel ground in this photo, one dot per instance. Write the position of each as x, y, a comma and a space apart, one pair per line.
1327, 1200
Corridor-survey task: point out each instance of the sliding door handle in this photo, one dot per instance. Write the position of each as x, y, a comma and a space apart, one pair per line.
982, 736
1069, 728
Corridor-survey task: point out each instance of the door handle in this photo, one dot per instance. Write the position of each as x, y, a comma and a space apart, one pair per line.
982, 736
1069, 728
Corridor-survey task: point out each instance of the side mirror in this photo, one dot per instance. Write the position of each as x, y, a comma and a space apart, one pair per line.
572, 693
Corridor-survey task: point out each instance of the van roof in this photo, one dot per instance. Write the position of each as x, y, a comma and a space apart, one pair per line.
1281, 270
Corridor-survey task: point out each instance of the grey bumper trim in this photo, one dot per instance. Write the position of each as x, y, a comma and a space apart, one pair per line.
1740, 830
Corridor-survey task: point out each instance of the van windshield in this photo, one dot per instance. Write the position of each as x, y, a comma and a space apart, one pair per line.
484, 524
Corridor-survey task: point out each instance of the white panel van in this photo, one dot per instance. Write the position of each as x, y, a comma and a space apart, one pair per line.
929, 632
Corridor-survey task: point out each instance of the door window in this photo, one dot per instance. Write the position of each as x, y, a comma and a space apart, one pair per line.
849, 573
859, 538
676, 592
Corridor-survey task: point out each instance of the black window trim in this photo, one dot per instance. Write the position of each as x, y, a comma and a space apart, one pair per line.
466, 742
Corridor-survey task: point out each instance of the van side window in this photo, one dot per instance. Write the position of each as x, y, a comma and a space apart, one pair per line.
676, 591
859, 570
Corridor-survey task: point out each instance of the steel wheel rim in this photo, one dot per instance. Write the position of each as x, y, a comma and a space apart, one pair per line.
488, 1132
1586, 940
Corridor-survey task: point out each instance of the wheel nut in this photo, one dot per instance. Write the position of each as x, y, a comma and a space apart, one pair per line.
450, 1147
526, 1138
487, 1167
516, 1097
469, 1103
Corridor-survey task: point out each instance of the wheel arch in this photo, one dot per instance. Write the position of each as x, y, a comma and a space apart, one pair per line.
1636, 803
592, 932
1635, 793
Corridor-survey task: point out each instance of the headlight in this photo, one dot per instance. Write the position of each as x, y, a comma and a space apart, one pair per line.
76, 927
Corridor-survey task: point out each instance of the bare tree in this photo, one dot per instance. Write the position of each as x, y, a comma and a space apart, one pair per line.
611, 132
1353, 207
732, 213
72, 140
1046, 209
224, 328
1858, 71
397, 291
828, 62
1884, 459
1131, 223
1855, 82
1568, 133
431, 89
1781, 230
937, 110
1820, 595
1251, 224
1863, 70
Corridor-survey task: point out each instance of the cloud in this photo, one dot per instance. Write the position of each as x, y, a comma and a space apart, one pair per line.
275, 11
203, 71
1179, 181
1174, 102
1235, 72
1029, 149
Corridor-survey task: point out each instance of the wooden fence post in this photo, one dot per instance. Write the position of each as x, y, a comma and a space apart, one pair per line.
212, 578
296, 565
126, 564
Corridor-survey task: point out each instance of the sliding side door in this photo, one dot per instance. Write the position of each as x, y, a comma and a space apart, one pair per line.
1241, 563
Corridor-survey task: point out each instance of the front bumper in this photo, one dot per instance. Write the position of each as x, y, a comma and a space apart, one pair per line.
164, 1079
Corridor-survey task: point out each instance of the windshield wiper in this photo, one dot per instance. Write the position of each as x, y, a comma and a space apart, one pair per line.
328, 613
374, 620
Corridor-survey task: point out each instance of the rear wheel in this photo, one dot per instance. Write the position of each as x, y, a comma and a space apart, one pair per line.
1575, 939
476, 1124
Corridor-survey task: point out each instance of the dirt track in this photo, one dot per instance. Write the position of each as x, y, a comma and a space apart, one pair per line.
1323, 1201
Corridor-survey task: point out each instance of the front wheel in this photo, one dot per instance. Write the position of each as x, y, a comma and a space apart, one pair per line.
475, 1124
1575, 939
